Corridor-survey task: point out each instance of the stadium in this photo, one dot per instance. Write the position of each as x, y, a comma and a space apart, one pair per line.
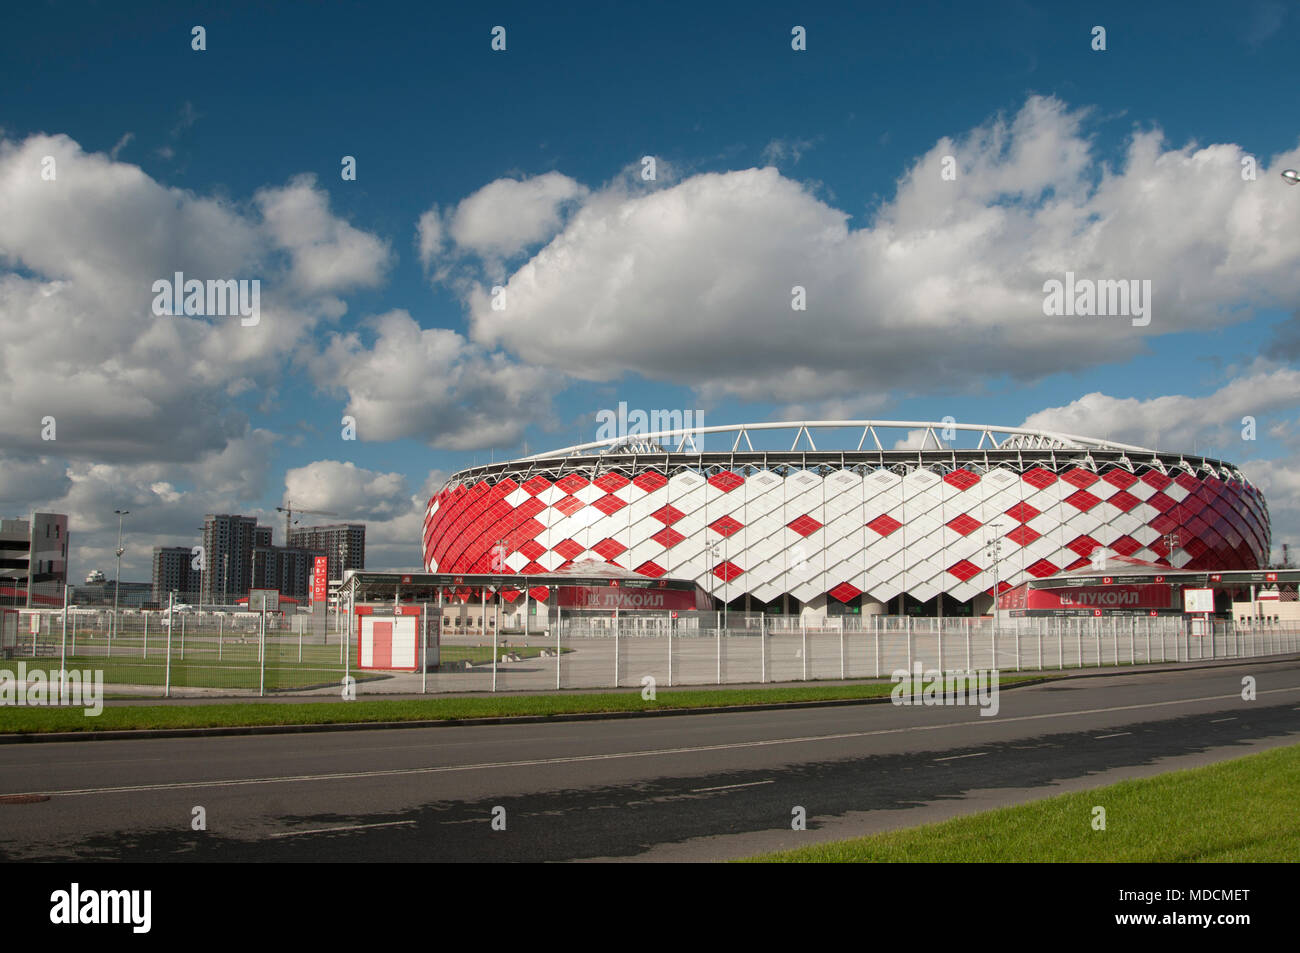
818, 518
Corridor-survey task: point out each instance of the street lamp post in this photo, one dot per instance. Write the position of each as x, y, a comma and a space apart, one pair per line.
117, 583
994, 552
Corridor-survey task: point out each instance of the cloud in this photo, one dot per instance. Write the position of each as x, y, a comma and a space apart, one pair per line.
502, 218
78, 259
350, 491
778, 151
433, 385
1176, 422
693, 283
328, 254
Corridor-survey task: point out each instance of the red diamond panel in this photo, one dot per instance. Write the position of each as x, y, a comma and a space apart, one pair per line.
668, 515
536, 485
667, 537
609, 505
1156, 479
961, 479
650, 481
572, 483
1126, 546
530, 508
569, 549
726, 481
964, 569
884, 524
1023, 535
569, 505
539, 593
651, 568
533, 569
1082, 500
1123, 501
1084, 546
727, 571
1080, 478
1038, 477
609, 549
964, 524
1187, 482
1042, 568
804, 525
725, 525
845, 591
609, 482
1160, 502
532, 549
1022, 512
1120, 478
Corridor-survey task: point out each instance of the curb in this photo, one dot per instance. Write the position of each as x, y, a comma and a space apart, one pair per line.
156, 733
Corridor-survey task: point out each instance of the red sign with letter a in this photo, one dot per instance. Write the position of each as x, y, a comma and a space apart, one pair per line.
320, 580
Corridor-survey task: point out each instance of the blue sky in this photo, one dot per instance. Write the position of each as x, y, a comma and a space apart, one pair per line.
255, 127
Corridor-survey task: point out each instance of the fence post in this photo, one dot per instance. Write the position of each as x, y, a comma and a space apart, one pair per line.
144, 647
616, 654
1017, 646
1078, 641
74, 635
221, 627
261, 650
1039, 627
424, 645
842, 647
182, 636
167, 674
483, 619
993, 635
63, 651
803, 652
718, 630
762, 649
670, 652
549, 594
907, 621
875, 628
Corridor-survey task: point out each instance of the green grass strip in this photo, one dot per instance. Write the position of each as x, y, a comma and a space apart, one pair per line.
14, 720
1235, 811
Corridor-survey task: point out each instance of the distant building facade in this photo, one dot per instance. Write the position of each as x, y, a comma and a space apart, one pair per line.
33, 560
173, 572
343, 544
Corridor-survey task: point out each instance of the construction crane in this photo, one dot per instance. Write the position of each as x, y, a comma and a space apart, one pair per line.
288, 512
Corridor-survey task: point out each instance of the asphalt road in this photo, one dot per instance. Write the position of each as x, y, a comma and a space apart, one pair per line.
694, 787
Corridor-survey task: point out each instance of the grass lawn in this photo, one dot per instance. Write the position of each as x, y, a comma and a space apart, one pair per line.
28, 720
1239, 810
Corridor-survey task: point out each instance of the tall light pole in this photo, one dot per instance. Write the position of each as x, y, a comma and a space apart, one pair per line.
994, 552
117, 583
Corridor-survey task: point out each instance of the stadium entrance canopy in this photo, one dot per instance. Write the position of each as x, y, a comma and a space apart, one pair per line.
585, 585
1126, 586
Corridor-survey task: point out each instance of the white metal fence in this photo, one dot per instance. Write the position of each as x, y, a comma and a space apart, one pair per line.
221, 653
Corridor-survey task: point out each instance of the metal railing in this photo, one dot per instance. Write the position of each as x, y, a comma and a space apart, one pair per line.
216, 653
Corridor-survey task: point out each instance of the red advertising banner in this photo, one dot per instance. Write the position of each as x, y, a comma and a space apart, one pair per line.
1090, 597
593, 597
320, 580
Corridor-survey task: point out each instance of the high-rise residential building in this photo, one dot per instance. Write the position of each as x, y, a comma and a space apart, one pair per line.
344, 544
261, 536
172, 572
283, 568
33, 560
228, 544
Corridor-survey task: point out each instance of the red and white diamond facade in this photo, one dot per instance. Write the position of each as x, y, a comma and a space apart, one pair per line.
857, 526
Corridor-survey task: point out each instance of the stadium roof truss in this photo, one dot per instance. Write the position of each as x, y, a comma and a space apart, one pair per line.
674, 451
